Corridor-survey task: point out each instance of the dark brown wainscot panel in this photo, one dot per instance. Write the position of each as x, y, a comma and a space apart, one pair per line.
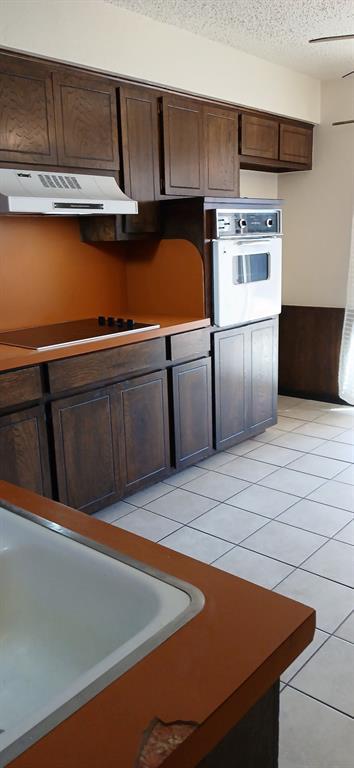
86, 429
27, 130
182, 125
192, 410
24, 456
259, 136
144, 433
96, 367
222, 167
20, 386
296, 144
140, 152
86, 121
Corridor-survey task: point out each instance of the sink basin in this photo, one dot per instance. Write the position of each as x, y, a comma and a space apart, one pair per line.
74, 616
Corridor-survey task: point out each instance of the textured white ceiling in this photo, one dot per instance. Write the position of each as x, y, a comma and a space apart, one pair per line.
277, 30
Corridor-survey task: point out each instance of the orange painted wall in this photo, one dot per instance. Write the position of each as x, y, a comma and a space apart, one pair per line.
48, 275
166, 277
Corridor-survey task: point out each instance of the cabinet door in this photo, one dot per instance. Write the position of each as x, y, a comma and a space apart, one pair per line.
27, 132
140, 150
144, 437
222, 174
191, 385
263, 381
86, 121
182, 121
296, 144
24, 457
259, 136
86, 449
230, 380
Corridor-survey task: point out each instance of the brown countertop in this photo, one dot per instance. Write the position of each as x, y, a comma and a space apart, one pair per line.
210, 672
18, 357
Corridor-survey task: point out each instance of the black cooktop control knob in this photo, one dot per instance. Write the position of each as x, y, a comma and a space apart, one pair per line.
110, 320
119, 322
130, 324
101, 320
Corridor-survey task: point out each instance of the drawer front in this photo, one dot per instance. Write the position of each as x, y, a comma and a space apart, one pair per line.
190, 344
96, 367
21, 386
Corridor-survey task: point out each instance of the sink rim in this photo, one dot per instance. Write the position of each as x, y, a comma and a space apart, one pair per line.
54, 718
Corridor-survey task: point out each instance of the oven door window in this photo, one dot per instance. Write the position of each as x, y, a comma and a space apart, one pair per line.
251, 267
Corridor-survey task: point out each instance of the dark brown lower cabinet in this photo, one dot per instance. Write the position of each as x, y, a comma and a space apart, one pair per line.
263, 376
245, 381
24, 456
86, 437
192, 410
230, 385
145, 450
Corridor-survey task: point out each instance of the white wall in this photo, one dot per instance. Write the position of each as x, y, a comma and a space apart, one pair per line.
258, 184
319, 206
103, 36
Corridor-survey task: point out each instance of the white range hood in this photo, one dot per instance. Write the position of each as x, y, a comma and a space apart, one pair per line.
23, 191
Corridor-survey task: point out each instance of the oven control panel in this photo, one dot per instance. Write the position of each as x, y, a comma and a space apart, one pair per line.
240, 223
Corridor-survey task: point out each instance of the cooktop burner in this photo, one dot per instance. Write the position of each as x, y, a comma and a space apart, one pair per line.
76, 332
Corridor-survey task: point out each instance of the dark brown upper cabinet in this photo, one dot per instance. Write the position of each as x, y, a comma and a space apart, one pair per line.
259, 136
295, 143
182, 126
140, 154
86, 121
222, 166
27, 130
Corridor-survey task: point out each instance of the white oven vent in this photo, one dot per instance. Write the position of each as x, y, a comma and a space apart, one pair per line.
23, 191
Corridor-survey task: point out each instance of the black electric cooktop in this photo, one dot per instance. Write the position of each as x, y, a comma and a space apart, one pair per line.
76, 332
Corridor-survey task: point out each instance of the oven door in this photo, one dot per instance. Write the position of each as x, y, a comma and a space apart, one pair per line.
247, 280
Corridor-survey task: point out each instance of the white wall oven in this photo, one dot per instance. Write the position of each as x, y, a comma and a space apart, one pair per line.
247, 262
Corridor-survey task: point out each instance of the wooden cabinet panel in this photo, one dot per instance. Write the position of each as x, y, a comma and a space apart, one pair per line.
259, 136
86, 121
86, 449
296, 143
20, 386
97, 367
192, 411
221, 152
190, 344
140, 150
27, 132
144, 436
24, 456
183, 146
230, 372
263, 385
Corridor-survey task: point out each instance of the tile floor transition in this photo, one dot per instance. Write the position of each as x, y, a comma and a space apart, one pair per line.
278, 510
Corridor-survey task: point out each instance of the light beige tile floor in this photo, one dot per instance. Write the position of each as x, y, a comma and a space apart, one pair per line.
278, 510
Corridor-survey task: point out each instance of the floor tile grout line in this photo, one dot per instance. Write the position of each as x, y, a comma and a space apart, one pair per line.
310, 657
326, 704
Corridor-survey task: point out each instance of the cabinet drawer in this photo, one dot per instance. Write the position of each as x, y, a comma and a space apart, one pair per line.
184, 345
95, 367
21, 386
